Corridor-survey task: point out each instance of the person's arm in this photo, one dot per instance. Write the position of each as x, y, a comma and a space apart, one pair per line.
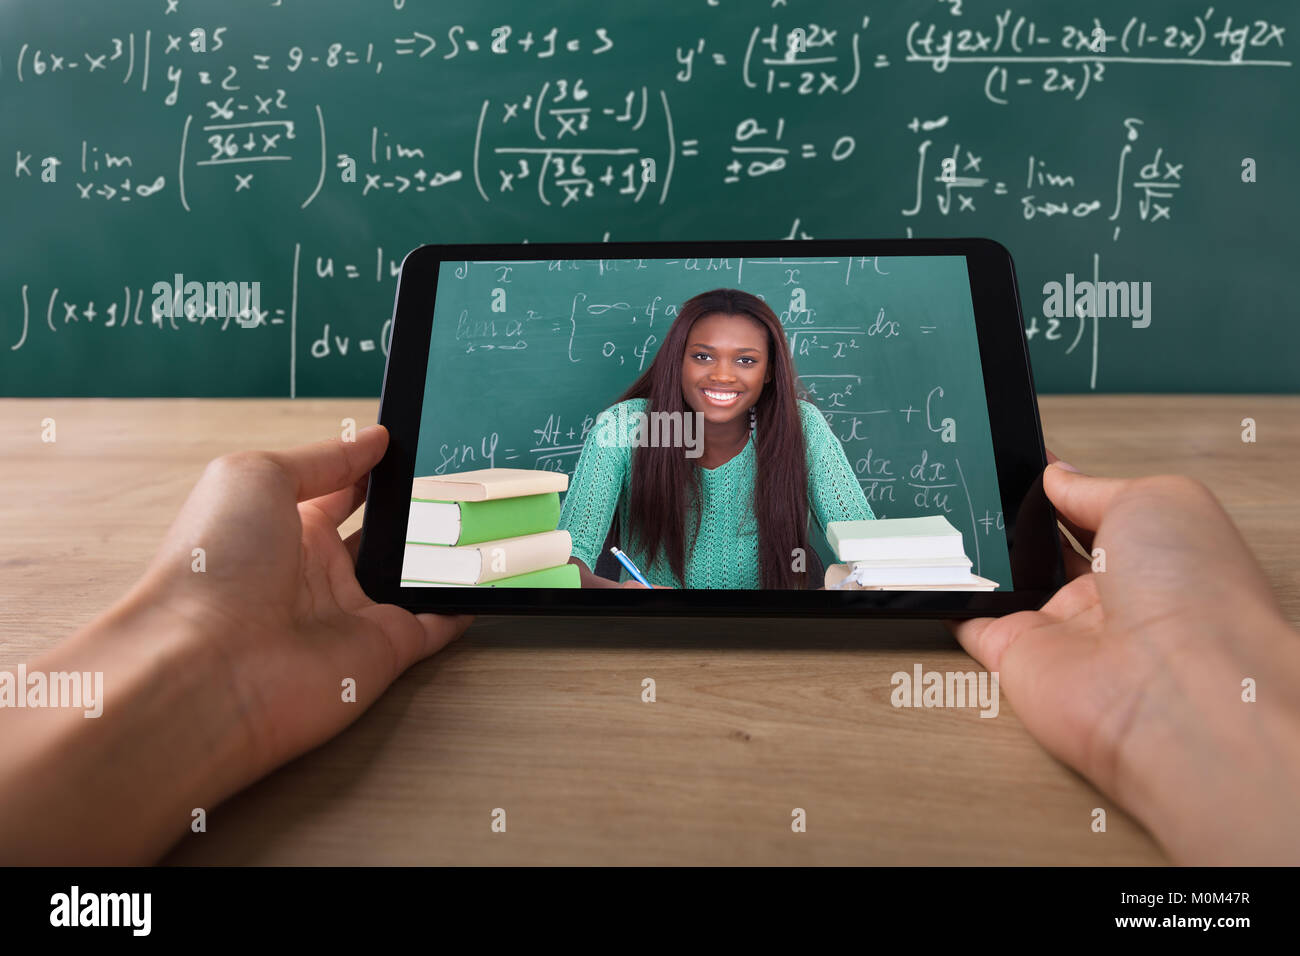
175, 734
593, 494
1171, 679
833, 488
213, 674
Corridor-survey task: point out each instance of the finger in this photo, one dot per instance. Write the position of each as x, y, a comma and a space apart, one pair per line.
441, 629
1073, 599
1082, 537
970, 635
1079, 499
377, 653
324, 467
987, 638
338, 506
407, 638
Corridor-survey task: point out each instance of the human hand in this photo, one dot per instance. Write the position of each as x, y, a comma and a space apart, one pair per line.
1133, 675
279, 593
633, 583
211, 677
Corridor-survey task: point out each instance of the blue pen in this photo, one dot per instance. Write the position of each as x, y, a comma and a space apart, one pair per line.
624, 560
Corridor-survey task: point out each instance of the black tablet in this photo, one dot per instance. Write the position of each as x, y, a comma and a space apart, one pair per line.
828, 428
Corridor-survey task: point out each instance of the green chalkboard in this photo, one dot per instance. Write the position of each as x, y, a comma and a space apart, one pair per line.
306, 147
517, 376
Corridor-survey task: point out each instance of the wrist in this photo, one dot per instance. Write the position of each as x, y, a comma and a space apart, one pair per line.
186, 669
121, 787
1211, 762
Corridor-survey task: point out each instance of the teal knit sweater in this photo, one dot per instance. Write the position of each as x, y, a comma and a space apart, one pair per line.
726, 548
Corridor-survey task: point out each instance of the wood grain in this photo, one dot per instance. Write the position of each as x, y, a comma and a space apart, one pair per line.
543, 716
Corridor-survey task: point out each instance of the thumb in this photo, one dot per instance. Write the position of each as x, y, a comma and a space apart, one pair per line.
326, 466
1081, 499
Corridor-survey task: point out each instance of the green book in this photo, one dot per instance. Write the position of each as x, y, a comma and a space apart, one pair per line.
560, 576
473, 522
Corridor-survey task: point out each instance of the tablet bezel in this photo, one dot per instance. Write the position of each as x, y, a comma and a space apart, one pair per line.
1016, 431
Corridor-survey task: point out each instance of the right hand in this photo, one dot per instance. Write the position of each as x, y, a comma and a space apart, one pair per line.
1133, 676
633, 583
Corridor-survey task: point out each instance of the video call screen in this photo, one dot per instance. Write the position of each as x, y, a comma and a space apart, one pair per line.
706, 423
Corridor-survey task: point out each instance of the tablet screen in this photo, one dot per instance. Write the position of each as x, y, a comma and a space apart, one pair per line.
720, 423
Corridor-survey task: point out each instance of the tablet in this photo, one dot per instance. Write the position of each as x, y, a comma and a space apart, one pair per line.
833, 428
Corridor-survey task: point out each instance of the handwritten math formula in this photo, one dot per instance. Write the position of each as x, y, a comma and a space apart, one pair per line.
309, 149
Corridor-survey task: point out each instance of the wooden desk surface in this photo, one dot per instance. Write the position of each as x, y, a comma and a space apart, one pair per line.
543, 717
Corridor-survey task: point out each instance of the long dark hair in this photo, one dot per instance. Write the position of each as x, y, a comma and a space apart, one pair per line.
665, 481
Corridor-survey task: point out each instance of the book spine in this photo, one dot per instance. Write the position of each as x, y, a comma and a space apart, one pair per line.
531, 482
560, 576
522, 554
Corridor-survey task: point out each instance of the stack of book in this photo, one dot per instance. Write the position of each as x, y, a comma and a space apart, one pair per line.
901, 554
489, 528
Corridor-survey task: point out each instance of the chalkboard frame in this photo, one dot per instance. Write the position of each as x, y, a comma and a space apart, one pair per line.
1030, 520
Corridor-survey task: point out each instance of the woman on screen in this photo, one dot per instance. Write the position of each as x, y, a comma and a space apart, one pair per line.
728, 505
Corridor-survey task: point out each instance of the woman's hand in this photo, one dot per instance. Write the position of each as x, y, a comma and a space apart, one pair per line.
633, 583
1134, 675
228, 658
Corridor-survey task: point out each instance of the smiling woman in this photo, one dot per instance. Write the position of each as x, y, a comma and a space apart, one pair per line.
734, 515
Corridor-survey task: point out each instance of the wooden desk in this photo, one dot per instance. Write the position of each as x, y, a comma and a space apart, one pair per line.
543, 717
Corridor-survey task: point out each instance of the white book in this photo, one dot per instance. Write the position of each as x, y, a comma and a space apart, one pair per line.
469, 522
930, 536
433, 522
913, 571
837, 578
487, 484
488, 561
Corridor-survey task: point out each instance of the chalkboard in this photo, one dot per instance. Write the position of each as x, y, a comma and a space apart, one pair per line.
301, 149
525, 354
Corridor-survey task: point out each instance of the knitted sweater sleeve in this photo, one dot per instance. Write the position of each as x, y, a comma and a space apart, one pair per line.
598, 480
833, 488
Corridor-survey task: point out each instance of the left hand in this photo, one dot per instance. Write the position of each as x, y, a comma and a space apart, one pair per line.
279, 593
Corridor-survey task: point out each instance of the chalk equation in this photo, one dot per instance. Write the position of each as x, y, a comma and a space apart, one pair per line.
311, 151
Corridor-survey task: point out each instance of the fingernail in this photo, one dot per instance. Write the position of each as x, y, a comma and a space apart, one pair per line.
1067, 466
